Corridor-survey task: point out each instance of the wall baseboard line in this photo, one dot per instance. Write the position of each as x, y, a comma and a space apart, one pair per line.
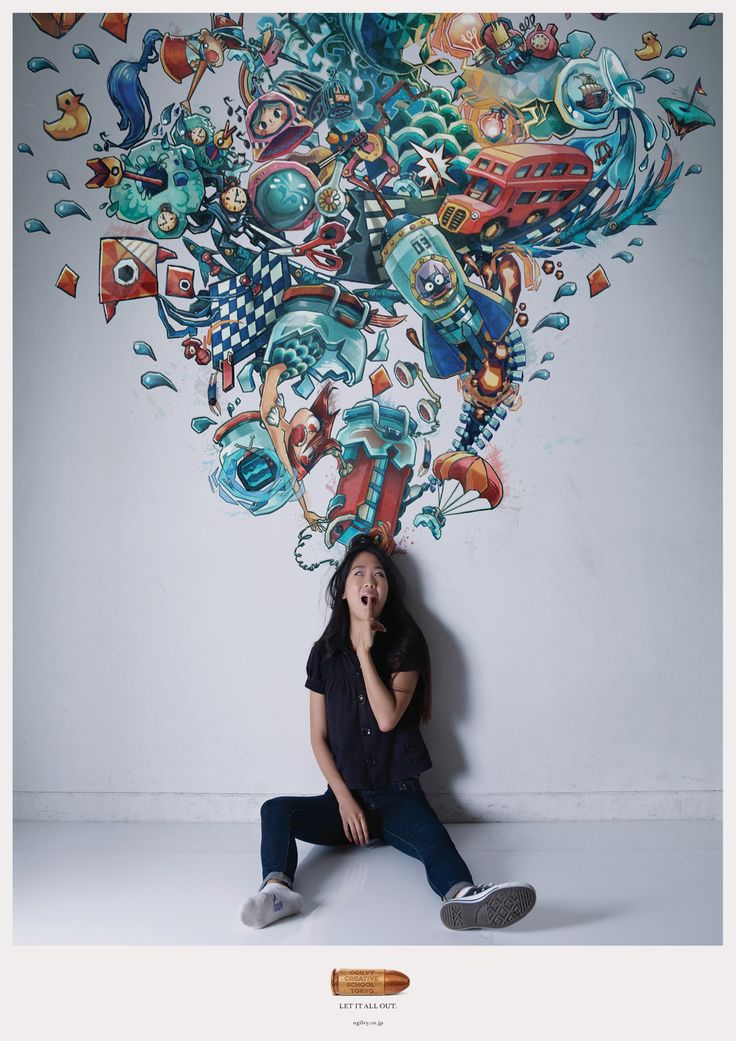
457, 807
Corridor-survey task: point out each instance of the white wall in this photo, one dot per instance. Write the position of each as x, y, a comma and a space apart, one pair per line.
161, 636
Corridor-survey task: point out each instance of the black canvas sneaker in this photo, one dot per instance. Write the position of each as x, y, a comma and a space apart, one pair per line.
493, 905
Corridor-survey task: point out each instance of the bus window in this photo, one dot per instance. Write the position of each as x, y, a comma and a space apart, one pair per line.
545, 196
578, 169
478, 188
540, 170
493, 194
525, 198
499, 168
483, 164
523, 171
558, 169
566, 194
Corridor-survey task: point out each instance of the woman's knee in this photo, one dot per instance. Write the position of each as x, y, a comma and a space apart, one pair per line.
274, 810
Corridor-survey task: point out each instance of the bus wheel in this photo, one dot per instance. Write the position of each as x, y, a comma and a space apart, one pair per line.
534, 217
492, 230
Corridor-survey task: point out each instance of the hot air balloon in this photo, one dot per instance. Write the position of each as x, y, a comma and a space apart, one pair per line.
478, 489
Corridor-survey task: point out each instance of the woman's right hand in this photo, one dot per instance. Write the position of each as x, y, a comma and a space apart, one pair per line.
353, 821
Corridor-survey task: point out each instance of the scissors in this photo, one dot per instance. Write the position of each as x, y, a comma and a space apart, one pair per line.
330, 234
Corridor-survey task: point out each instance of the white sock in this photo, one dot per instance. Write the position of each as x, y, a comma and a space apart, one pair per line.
462, 892
272, 902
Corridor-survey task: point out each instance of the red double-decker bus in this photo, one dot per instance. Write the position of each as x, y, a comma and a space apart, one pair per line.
515, 185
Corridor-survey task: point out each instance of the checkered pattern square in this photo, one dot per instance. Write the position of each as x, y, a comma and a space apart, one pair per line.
243, 311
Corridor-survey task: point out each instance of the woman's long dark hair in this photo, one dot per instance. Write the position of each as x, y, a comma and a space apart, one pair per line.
403, 637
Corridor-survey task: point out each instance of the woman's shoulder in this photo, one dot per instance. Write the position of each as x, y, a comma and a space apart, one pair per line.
408, 653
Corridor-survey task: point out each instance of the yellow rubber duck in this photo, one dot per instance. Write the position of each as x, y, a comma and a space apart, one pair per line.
652, 48
74, 120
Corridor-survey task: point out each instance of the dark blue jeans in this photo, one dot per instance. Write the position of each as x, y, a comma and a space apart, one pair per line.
399, 814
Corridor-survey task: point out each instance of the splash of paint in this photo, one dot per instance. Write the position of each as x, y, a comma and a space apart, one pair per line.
661, 74
39, 64
151, 380
200, 424
566, 289
555, 320
548, 356
34, 224
702, 19
636, 242
23, 147
141, 347
69, 208
678, 51
624, 255
540, 374
56, 177
82, 51
696, 168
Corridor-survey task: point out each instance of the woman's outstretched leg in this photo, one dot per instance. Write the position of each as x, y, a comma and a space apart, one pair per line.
314, 819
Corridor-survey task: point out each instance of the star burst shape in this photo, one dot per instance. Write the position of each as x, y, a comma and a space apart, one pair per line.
433, 165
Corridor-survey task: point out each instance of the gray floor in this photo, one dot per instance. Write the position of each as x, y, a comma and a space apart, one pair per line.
601, 883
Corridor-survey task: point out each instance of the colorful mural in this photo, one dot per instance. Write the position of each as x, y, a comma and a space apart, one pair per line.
375, 204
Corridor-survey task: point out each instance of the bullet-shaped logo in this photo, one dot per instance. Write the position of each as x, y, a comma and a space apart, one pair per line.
368, 981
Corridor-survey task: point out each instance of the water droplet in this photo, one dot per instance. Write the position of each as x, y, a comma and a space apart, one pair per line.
97, 148
69, 208
205, 108
151, 380
566, 289
230, 409
696, 168
39, 64
237, 401
661, 74
166, 114
678, 51
200, 424
141, 347
702, 19
555, 320
636, 242
56, 177
666, 129
23, 147
33, 224
548, 356
644, 163
82, 51
540, 374
624, 255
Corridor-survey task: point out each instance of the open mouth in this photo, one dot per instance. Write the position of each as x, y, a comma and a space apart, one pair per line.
366, 597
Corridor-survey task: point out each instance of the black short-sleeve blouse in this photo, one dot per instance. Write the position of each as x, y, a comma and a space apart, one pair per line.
365, 756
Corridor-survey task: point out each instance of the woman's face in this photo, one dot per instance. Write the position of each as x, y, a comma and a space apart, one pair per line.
366, 582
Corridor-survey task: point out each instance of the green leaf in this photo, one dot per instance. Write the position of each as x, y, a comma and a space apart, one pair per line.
426, 51
440, 67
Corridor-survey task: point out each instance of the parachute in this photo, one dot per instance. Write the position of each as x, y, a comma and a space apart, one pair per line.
478, 489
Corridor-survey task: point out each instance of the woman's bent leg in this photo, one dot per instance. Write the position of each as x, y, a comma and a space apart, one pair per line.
314, 819
411, 825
